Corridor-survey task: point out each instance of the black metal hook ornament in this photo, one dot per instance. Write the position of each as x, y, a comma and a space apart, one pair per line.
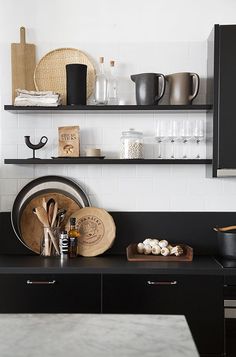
43, 141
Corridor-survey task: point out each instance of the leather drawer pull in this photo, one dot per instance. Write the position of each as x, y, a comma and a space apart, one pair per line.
162, 282
42, 282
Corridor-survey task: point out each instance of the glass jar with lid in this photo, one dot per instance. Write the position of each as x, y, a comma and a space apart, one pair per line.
131, 144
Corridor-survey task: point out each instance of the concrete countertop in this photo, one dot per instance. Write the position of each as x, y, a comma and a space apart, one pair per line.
89, 335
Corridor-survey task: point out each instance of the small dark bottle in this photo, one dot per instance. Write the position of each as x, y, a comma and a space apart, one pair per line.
73, 238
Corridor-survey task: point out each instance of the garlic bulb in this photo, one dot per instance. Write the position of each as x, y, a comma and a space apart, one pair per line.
147, 241
154, 242
163, 243
177, 250
165, 251
170, 247
140, 248
147, 249
156, 250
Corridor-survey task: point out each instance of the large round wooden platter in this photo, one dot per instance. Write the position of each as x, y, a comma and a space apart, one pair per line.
41, 186
97, 231
31, 229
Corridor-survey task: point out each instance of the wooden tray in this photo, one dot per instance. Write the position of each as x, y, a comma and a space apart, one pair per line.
134, 256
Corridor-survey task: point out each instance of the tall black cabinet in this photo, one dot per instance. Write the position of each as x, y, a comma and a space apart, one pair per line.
222, 93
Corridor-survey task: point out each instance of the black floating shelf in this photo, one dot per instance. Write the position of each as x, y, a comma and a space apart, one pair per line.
109, 108
102, 161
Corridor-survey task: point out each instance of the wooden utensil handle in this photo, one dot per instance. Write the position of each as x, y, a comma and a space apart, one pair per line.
225, 229
22, 35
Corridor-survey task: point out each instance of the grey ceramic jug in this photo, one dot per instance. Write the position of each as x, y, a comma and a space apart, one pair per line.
147, 87
182, 89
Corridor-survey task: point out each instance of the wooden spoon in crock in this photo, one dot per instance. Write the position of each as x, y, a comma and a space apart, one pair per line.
224, 229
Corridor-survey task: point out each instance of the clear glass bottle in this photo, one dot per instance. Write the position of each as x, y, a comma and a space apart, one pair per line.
131, 144
101, 84
73, 235
112, 85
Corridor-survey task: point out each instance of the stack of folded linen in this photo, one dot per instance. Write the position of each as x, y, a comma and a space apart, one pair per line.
35, 98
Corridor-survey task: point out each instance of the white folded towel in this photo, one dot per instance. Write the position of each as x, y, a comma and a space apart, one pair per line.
37, 98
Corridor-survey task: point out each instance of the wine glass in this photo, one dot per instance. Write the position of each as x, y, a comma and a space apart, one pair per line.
161, 135
186, 135
173, 135
198, 134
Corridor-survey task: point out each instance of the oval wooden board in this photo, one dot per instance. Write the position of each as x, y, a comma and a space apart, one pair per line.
97, 231
30, 227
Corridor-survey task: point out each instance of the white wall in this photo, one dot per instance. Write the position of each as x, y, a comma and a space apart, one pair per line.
157, 35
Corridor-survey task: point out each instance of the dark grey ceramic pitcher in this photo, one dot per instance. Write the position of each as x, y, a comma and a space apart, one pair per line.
147, 87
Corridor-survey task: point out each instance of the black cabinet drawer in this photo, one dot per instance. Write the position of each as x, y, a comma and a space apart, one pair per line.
48, 293
199, 298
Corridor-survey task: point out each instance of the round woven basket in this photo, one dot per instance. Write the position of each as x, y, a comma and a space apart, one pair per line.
50, 72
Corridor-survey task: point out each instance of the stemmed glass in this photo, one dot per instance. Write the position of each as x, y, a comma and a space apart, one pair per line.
186, 135
161, 132
198, 134
173, 134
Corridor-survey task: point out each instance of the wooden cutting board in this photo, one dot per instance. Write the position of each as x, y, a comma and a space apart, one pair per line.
97, 230
23, 64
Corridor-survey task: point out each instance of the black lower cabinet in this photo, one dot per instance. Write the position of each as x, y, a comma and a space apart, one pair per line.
48, 293
199, 298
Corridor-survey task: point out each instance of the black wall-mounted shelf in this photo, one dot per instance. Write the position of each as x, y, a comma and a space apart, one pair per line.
109, 108
102, 161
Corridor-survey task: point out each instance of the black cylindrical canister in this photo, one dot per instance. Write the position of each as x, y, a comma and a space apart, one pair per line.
76, 84
227, 244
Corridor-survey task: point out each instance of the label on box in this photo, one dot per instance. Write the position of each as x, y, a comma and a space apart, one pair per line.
69, 141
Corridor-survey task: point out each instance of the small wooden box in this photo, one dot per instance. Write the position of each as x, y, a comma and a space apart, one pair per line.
69, 141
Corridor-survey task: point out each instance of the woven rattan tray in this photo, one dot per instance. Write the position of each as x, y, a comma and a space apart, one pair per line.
50, 72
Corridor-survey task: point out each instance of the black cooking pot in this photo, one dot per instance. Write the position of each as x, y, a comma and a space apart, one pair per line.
227, 244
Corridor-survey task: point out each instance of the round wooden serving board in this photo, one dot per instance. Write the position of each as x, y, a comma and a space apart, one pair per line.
97, 230
30, 227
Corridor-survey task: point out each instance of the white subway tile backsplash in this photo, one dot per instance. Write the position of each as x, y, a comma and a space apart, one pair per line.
77, 171
120, 171
100, 186
35, 121
135, 186
151, 202
117, 202
173, 187
7, 202
91, 136
15, 171
188, 203
114, 187
9, 151
8, 186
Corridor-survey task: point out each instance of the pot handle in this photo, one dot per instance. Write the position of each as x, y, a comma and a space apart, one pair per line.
158, 97
197, 82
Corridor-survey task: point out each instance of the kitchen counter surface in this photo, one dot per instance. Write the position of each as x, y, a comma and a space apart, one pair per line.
106, 264
88, 335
